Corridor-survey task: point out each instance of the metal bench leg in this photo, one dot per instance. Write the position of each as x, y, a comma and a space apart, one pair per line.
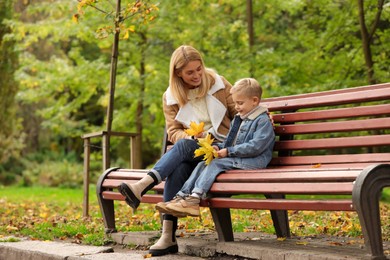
106, 206
279, 218
223, 224
365, 197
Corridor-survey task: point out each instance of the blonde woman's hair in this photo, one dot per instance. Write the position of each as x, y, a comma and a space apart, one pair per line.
248, 87
179, 59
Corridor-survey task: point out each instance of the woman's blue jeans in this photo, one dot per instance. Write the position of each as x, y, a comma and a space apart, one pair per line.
176, 165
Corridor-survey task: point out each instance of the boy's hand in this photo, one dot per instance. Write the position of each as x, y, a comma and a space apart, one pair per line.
222, 153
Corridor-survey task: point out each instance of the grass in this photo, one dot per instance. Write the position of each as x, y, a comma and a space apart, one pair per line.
56, 214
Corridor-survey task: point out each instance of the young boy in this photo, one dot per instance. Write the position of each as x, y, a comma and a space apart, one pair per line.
248, 145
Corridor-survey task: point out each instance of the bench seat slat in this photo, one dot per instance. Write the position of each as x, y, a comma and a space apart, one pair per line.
341, 126
255, 176
280, 204
114, 183
128, 175
378, 110
282, 188
288, 177
265, 187
341, 204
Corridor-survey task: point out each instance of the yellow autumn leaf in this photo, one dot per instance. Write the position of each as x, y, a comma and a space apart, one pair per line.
281, 238
206, 149
75, 18
318, 165
195, 128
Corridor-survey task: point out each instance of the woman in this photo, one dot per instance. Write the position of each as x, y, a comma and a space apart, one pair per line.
197, 94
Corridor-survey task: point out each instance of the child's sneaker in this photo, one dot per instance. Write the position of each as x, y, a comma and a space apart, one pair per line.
162, 207
188, 206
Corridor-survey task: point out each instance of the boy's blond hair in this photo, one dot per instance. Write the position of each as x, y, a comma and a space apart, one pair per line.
248, 87
180, 58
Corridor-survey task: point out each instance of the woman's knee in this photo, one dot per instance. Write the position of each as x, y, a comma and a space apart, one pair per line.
186, 147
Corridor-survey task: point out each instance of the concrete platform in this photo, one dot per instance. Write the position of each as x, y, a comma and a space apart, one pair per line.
194, 246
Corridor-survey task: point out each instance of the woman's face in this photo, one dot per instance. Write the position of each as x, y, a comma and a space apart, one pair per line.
192, 74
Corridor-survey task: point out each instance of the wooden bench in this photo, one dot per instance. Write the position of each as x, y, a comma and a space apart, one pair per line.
328, 143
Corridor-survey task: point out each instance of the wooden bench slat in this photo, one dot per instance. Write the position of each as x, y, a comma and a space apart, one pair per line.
114, 183
327, 127
330, 143
358, 165
253, 175
288, 177
324, 159
330, 100
378, 110
127, 175
147, 198
282, 188
280, 204
258, 204
382, 86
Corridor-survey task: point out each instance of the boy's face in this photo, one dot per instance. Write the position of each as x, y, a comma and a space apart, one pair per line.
244, 104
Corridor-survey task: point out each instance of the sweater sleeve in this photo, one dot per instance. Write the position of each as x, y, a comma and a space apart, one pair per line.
175, 130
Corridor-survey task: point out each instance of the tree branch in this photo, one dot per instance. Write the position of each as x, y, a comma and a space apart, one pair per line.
376, 21
97, 8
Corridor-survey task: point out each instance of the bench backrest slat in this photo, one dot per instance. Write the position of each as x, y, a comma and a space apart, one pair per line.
331, 143
376, 110
328, 99
316, 128
314, 160
331, 92
340, 126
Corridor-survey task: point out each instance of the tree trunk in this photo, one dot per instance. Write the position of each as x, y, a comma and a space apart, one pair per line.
113, 72
251, 36
140, 103
367, 38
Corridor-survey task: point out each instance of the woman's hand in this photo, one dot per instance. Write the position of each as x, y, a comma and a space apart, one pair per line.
271, 118
200, 135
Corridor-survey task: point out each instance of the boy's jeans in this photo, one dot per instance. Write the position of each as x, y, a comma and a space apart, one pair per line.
204, 176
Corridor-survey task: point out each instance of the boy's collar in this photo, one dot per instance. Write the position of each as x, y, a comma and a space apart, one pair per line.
254, 112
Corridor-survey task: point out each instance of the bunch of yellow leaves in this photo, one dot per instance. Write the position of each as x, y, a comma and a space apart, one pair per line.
195, 128
206, 149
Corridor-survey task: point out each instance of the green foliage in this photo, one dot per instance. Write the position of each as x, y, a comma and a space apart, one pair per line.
10, 239
11, 137
47, 171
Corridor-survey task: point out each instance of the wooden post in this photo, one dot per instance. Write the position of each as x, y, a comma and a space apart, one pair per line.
106, 150
87, 151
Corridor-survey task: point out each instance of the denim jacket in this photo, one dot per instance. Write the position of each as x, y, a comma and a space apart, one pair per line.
254, 141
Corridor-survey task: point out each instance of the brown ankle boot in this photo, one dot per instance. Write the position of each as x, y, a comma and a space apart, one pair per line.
167, 243
134, 192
